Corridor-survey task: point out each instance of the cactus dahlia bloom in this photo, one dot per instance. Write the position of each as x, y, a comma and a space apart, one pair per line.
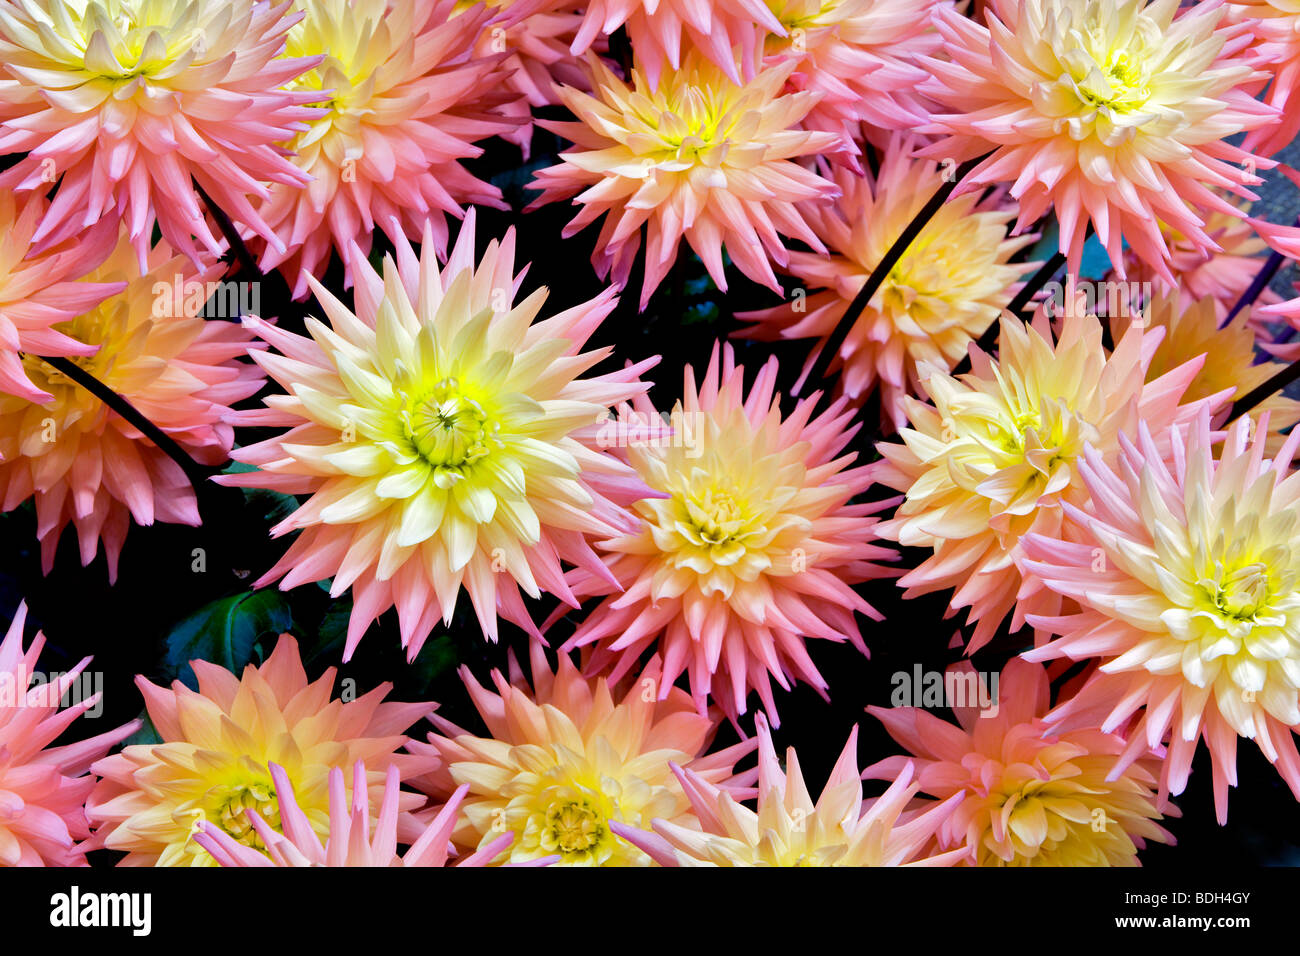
702, 157
1032, 798
127, 103
1114, 112
349, 841
39, 292
950, 285
87, 466
568, 759
217, 746
406, 96
1186, 570
750, 549
443, 439
997, 453
1275, 25
43, 789
789, 829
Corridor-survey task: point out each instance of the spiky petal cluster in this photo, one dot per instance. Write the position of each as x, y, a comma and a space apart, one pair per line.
43, 789
406, 97
128, 103
789, 829
1275, 27
1186, 570
569, 758
217, 747
703, 157
752, 548
84, 463
349, 842
949, 286
1109, 112
996, 454
1032, 798
39, 291
445, 439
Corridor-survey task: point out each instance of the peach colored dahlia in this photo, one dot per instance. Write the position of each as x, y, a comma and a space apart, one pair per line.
569, 758
950, 285
406, 96
749, 549
43, 789
997, 453
1110, 112
445, 439
129, 103
217, 747
86, 465
1032, 798
702, 157
1185, 565
789, 829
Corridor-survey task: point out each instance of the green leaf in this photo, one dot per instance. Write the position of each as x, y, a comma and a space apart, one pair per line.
146, 735
225, 631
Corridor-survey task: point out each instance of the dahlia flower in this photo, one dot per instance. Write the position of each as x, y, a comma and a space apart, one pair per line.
43, 789
217, 747
406, 96
86, 465
1032, 798
1275, 26
789, 829
443, 439
38, 292
1186, 571
349, 842
568, 759
750, 549
128, 103
701, 157
1114, 112
996, 455
950, 285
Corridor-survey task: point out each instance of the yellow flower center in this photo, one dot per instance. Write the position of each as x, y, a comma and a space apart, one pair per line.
449, 429
716, 516
1242, 593
257, 797
572, 827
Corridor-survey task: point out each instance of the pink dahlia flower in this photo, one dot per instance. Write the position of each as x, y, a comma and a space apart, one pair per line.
789, 829
87, 466
1032, 797
444, 438
1275, 26
749, 549
129, 103
1185, 566
1110, 112
702, 157
43, 789
406, 96
568, 758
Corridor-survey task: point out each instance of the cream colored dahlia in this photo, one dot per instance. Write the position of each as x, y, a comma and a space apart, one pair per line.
444, 438
702, 157
996, 455
217, 746
569, 758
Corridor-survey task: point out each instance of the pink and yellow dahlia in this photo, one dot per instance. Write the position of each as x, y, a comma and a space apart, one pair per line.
444, 438
349, 841
217, 747
950, 285
997, 453
749, 548
703, 157
128, 103
85, 464
43, 789
1032, 797
1110, 112
569, 758
789, 829
1275, 29
1185, 566
406, 95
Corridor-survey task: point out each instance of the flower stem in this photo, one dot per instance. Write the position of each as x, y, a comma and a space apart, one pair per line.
1256, 395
